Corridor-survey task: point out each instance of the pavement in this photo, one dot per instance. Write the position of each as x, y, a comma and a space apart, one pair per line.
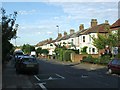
11, 80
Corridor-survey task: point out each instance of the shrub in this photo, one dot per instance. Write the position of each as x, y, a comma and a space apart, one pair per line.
105, 59
84, 50
87, 59
67, 55
102, 60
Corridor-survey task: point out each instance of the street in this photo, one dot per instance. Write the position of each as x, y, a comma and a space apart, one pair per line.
54, 74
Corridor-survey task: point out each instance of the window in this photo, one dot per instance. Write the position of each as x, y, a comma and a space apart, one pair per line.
114, 62
83, 38
118, 62
71, 40
93, 50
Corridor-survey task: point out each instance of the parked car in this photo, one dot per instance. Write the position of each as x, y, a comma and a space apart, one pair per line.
114, 66
27, 64
17, 54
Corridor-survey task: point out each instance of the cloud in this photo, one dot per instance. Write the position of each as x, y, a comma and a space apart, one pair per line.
59, 1
82, 0
83, 10
24, 12
49, 32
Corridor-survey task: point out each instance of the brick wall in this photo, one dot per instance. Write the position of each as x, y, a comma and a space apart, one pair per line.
79, 57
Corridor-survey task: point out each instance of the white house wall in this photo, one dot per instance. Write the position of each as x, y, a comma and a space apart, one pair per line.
89, 43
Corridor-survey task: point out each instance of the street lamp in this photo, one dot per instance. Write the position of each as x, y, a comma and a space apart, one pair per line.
58, 28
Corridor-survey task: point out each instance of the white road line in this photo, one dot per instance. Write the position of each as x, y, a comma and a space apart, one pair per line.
36, 77
42, 86
60, 76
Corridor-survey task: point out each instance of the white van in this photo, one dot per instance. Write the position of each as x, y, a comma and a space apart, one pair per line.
33, 53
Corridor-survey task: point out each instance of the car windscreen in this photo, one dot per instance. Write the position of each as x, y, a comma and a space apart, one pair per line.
116, 62
29, 59
19, 53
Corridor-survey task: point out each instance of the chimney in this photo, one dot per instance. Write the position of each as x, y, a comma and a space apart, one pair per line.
72, 31
81, 27
106, 22
94, 22
65, 33
59, 35
50, 39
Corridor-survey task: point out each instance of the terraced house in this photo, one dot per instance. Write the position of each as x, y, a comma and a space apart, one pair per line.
80, 39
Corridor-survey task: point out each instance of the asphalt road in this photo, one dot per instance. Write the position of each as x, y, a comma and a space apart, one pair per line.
54, 74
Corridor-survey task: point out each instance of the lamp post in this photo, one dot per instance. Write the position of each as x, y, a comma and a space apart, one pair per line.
58, 28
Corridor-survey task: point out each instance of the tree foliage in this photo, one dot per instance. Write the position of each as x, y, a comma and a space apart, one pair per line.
39, 50
9, 29
84, 50
45, 51
28, 48
109, 39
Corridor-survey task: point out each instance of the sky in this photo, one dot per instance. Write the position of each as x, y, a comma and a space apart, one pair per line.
37, 20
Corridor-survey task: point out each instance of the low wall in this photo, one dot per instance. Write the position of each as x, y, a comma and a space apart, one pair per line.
79, 57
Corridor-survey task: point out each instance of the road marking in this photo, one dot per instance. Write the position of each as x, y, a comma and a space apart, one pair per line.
36, 77
60, 76
50, 78
42, 86
84, 76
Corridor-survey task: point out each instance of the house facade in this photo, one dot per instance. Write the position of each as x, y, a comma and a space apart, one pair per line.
80, 39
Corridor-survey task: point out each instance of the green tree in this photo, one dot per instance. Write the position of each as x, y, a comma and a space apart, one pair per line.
45, 51
109, 39
28, 48
39, 50
84, 50
9, 29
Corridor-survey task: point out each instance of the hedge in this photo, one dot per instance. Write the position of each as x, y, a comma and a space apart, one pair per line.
100, 60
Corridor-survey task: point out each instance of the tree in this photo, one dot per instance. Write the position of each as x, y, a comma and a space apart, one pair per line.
45, 51
28, 48
84, 50
39, 50
9, 30
109, 39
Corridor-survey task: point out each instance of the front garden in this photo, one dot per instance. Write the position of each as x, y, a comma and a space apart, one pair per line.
104, 60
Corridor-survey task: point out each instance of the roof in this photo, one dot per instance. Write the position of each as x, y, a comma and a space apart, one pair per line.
49, 42
42, 43
65, 37
116, 25
101, 28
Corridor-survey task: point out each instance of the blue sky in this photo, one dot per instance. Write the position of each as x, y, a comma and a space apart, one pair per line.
37, 20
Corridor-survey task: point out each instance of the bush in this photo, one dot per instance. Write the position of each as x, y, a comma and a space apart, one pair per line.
67, 55
105, 59
88, 59
102, 60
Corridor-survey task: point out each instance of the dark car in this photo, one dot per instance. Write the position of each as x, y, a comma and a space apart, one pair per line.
27, 64
114, 66
17, 55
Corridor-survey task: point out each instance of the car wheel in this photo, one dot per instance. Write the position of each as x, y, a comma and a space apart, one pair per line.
110, 71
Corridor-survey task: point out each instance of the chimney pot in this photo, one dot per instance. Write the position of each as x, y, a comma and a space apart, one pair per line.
65, 33
59, 35
106, 22
94, 22
72, 31
81, 27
